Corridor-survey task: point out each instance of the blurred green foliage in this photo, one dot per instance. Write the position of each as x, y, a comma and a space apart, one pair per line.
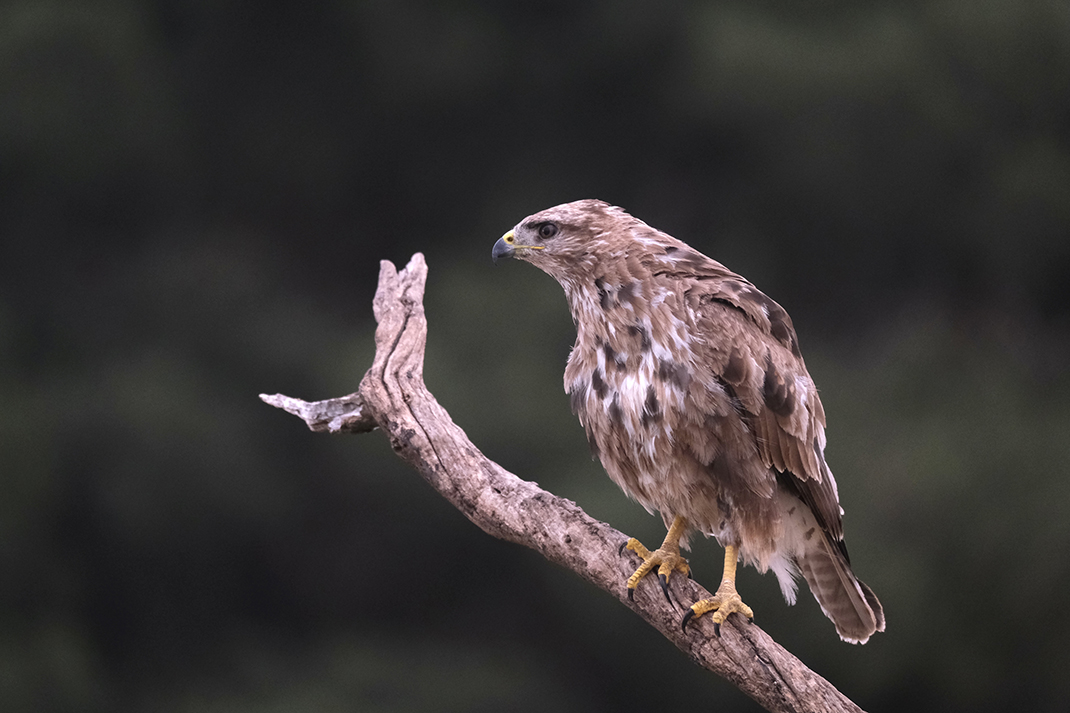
194, 197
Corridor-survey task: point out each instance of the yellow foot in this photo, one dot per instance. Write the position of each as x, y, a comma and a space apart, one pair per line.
725, 601
666, 558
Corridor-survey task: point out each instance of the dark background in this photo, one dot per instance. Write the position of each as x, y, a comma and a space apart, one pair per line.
194, 199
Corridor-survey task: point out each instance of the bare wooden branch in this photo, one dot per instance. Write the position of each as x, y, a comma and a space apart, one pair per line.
392, 396
344, 414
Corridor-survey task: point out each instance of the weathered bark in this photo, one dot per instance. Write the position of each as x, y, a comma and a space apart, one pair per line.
392, 396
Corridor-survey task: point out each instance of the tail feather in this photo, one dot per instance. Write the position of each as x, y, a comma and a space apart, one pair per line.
849, 603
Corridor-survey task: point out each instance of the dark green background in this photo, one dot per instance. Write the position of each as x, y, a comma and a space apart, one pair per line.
194, 199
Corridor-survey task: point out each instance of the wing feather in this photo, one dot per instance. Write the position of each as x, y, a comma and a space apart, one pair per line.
749, 344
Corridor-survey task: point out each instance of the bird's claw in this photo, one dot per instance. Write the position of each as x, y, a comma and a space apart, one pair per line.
724, 602
664, 581
687, 617
665, 560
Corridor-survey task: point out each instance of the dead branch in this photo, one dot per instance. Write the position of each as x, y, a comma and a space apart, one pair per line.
392, 396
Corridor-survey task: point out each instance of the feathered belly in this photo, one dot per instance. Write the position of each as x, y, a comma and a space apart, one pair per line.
659, 472
668, 433
633, 407
706, 472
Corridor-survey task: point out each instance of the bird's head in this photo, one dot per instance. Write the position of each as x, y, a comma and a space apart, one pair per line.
560, 238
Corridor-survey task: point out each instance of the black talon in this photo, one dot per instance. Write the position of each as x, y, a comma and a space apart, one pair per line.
687, 617
631, 594
620, 550
717, 629
664, 580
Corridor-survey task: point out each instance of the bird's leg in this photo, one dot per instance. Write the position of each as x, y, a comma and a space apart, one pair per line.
666, 558
725, 600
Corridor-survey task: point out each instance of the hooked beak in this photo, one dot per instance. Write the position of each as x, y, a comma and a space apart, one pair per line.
503, 248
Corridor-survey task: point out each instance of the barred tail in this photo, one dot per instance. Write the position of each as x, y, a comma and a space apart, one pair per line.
847, 601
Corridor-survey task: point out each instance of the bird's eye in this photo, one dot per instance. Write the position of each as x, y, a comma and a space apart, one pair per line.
547, 230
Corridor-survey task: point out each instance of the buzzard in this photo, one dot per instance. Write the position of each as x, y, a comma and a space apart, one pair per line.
693, 392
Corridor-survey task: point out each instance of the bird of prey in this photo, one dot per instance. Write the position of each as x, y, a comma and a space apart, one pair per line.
693, 392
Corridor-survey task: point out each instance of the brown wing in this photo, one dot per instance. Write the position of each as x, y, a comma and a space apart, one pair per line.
752, 350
